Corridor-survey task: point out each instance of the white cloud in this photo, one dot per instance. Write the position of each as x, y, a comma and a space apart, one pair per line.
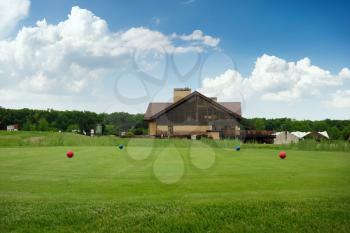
344, 73
11, 12
225, 85
340, 99
198, 36
280, 80
75, 55
274, 80
146, 39
37, 83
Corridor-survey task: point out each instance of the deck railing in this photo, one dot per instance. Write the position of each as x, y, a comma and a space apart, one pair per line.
242, 133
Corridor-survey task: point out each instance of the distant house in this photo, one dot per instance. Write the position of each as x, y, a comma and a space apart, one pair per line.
192, 114
13, 127
285, 137
289, 137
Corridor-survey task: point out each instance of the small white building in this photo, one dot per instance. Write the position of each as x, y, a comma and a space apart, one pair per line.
286, 137
12, 127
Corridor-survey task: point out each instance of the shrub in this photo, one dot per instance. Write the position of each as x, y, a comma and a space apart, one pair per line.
43, 125
137, 131
128, 135
72, 127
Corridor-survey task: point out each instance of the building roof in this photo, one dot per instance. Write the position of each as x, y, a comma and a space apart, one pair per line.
278, 133
324, 133
299, 134
233, 106
154, 109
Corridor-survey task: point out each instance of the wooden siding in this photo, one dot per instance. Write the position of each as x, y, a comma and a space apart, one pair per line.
152, 126
198, 111
214, 135
182, 130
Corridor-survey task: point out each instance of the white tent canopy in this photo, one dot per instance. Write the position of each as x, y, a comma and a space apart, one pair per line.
324, 133
299, 134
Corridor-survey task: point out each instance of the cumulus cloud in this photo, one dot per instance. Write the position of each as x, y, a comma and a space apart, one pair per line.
11, 12
287, 81
275, 79
198, 36
72, 56
225, 86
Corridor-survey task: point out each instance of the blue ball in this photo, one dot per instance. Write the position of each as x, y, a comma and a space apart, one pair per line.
238, 148
121, 146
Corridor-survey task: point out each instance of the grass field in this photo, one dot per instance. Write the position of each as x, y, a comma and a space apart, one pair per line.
30, 139
171, 186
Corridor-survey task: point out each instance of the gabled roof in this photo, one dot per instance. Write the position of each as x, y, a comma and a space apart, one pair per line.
299, 134
324, 133
156, 109
233, 106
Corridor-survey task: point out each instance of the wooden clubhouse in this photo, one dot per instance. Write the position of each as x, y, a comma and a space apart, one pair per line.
191, 114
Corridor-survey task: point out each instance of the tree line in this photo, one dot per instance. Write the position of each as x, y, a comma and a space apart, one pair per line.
117, 122
68, 121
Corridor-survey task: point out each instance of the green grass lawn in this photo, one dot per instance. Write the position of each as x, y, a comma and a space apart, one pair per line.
190, 186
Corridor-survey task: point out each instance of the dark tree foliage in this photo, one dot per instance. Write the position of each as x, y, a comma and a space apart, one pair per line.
117, 122
52, 120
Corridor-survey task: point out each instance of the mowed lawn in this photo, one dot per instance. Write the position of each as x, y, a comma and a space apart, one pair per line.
168, 188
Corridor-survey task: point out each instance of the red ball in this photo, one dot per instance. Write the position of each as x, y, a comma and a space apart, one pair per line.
70, 154
282, 154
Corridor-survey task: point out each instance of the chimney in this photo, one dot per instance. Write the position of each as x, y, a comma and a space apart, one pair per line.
180, 93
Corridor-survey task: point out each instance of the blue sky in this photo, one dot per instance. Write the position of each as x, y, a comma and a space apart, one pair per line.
306, 62
319, 30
